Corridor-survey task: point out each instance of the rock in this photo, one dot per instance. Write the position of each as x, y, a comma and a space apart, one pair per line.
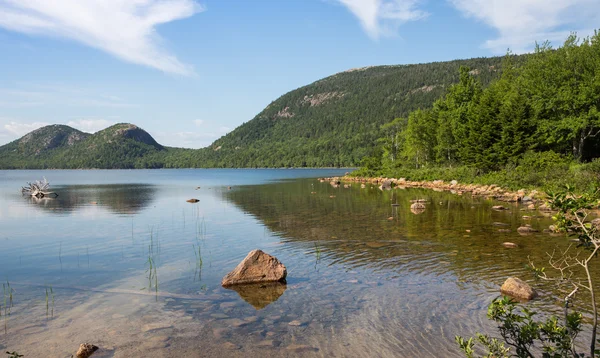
516, 288
362, 186
155, 326
454, 183
231, 346
499, 224
390, 218
499, 207
544, 207
257, 267
386, 185
417, 206
86, 350
299, 348
510, 245
295, 323
531, 206
526, 230
504, 230
192, 200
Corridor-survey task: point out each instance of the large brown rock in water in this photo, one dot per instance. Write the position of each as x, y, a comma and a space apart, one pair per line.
517, 288
256, 267
85, 350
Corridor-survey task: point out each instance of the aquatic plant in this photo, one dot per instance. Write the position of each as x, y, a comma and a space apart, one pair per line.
49, 301
518, 329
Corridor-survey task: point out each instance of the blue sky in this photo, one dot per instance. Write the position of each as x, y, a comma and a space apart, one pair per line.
190, 71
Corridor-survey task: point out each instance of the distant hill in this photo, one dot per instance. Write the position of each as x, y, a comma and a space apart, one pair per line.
332, 122
119, 146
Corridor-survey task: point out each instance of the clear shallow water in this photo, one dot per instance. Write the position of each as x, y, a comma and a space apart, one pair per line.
136, 270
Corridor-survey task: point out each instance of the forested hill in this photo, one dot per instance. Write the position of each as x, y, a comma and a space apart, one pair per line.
332, 122
336, 121
121, 146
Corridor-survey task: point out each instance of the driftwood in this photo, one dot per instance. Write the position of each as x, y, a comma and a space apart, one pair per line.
38, 189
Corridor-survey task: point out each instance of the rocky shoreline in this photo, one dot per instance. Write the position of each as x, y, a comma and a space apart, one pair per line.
534, 199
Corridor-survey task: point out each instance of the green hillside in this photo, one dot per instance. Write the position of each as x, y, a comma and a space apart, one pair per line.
332, 122
336, 121
121, 146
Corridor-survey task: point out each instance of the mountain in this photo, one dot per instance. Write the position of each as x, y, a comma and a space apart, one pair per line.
121, 146
335, 121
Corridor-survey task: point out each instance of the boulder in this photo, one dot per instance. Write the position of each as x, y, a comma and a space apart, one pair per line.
257, 267
454, 183
517, 288
417, 208
85, 350
386, 185
526, 229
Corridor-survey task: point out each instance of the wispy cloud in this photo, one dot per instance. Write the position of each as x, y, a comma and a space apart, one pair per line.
35, 95
520, 23
186, 139
19, 129
124, 28
198, 122
382, 17
90, 125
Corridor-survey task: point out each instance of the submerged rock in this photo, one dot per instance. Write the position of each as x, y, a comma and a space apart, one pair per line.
526, 230
257, 267
510, 245
417, 208
499, 207
517, 288
85, 350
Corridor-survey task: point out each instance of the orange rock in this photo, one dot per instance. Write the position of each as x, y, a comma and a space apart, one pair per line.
518, 289
256, 267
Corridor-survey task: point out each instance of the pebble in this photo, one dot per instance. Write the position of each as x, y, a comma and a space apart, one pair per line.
295, 323
298, 348
231, 346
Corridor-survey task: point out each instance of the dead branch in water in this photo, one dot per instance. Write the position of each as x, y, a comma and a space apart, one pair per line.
38, 189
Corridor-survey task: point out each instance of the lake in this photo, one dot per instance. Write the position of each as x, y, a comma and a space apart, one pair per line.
121, 260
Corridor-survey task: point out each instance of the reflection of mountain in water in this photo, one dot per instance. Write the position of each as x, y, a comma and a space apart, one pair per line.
361, 228
118, 198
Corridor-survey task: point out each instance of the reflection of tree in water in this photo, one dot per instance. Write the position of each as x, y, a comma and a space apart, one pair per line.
361, 228
118, 198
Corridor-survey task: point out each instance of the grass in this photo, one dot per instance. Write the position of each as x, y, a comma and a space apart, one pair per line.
153, 252
49, 299
7, 294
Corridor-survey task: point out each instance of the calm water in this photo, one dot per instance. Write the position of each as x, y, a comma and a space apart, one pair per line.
121, 260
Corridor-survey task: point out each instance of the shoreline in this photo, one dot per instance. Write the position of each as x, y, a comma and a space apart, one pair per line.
534, 199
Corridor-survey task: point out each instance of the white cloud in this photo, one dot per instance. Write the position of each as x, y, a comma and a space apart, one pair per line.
198, 122
90, 125
20, 129
124, 28
382, 17
186, 139
224, 129
520, 23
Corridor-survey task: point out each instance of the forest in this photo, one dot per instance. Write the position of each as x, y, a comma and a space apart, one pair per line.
538, 121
